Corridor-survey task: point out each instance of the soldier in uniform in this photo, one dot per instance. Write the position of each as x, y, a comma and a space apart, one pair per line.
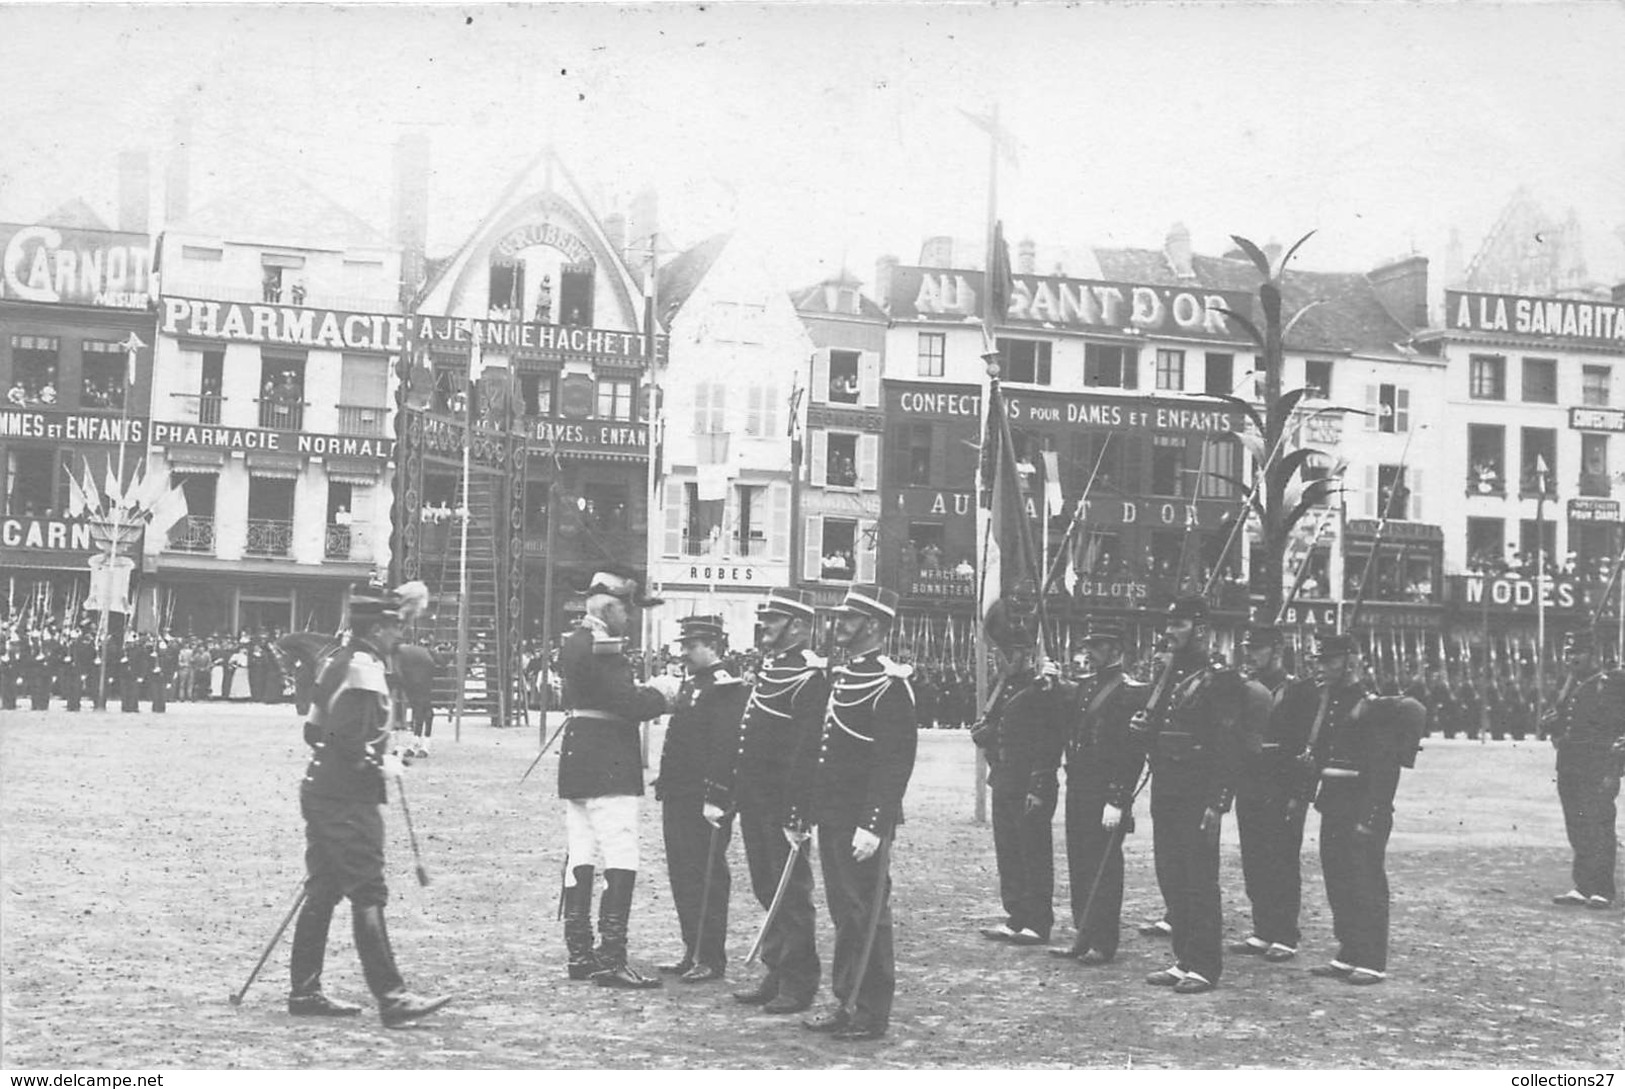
1357, 757
1026, 711
41, 673
1279, 712
852, 789
699, 738
341, 799
11, 669
1587, 727
165, 661
782, 718
601, 776
1103, 765
131, 672
1193, 738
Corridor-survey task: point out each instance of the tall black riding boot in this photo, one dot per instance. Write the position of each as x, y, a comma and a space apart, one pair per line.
305, 997
396, 1005
614, 915
578, 924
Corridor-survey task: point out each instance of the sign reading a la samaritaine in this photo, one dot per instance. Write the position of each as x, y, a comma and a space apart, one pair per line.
1600, 322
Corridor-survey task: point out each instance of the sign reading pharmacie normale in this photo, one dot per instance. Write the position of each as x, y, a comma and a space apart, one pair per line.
1598, 321
255, 440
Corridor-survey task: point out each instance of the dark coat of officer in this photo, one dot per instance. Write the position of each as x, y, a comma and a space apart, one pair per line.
41, 672
1586, 727
11, 672
699, 738
1103, 766
782, 719
601, 753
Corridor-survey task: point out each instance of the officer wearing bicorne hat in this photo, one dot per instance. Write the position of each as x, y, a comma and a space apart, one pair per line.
1587, 726
699, 738
784, 716
601, 775
851, 787
1194, 742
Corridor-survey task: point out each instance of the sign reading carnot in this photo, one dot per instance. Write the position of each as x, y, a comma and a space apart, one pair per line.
1574, 319
45, 534
75, 265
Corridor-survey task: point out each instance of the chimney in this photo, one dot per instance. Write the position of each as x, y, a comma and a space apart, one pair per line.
1177, 249
885, 268
134, 191
409, 209
178, 178
938, 252
1027, 257
615, 231
1402, 286
1619, 292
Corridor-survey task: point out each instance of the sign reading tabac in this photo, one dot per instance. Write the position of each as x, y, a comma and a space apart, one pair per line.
1598, 321
75, 265
294, 326
1055, 302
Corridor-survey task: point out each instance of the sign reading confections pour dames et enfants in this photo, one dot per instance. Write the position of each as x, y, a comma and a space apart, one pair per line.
280, 442
1598, 321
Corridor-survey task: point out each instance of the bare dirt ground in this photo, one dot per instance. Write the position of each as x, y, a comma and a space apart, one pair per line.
145, 860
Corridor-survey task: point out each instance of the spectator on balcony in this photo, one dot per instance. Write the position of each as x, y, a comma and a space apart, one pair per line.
47, 394
17, 395
964, 568
297, 291
931, 556
842, 473
843, 387
271, 286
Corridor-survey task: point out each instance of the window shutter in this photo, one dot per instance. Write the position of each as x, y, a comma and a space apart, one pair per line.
812, 560
753, 410
1368, 498
866, 542
770, 412
719, 407
702, 400
674, 517
1131, 368
868, 462
363, 381
819, 394
1373, 408
820, 454
869, 380
1402, 409
1414, 482
728, 532
778, 524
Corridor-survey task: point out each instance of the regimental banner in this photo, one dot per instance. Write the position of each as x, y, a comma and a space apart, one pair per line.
29, 423
75, 265
534, 337
1598, 321
292, 326
1596, 419
1604, 511
1058, 303
373, 448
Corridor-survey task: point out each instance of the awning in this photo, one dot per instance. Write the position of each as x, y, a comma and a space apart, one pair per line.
275, 466
358, 471
184, 459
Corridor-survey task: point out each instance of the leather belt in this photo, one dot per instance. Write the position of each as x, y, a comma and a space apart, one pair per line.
1340, 773
602, 716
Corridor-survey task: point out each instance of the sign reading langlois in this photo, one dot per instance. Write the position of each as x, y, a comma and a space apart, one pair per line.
76, 265
1600, 321
1086, 305
285, 442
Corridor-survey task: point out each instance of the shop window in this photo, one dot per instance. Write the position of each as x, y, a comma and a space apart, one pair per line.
1111, 365
507, 292
933, 354
1167, 465
1167, 556
839, 549
536, 512
1594, 479
1025, 360
1317, 377
536, 394
33, 370
282, 392
1486, 459
1540, 381
1100, 555
605, 507
1538, 449
1219, 373
1595, 383
841, 463
1486, 544
843, 378
1388, 408
925, 546
1536, 535
702, 529
1170, 369
103, 371
750, 529
1487, 378
28, 483
615, 398
1591, 547
919, 454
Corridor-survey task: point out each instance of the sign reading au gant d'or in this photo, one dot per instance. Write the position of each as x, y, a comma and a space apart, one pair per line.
1572, 319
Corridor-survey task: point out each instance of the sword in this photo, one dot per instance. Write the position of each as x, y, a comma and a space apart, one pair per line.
705, 888
778, 899
545, 747
882, 876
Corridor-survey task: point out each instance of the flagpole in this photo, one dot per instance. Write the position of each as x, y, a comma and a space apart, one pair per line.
979, 635
1540, 587
131, 346
476, 361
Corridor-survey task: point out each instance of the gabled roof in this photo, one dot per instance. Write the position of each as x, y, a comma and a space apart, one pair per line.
1352, 319
814, 300
682, 275
281, 207
76, 213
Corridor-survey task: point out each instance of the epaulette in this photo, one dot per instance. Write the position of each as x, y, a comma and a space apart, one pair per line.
815, 661
605, 644
896, 669
365, 673
1130, 682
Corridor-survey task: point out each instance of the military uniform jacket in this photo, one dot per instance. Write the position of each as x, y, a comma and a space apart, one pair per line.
1017, 730
781, 719
601, 754
1278, 729
1590, 720
1200, 747
1363, 742
865, 753
1102, 759
348, 730
701, 732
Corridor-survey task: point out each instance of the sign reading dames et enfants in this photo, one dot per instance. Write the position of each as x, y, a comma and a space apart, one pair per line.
1600, 321
28, 423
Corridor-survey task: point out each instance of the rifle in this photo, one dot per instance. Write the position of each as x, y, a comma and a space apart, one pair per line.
1382, 531
1306, 772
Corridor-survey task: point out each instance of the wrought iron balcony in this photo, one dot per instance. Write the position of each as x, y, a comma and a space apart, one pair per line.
282, 415
362, 419
269, 537
202, 407
348, 542
194, 533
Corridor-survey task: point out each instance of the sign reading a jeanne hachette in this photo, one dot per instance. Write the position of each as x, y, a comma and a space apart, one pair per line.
1599, 321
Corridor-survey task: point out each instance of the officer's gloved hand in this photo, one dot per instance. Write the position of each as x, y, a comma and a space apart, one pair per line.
393, 767
1210, 821
667, 686
864, 844
1139, 723
1034, 803
1110, 817
795, 837
713, 814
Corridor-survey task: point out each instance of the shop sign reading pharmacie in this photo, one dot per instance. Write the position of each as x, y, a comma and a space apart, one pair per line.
283, 442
